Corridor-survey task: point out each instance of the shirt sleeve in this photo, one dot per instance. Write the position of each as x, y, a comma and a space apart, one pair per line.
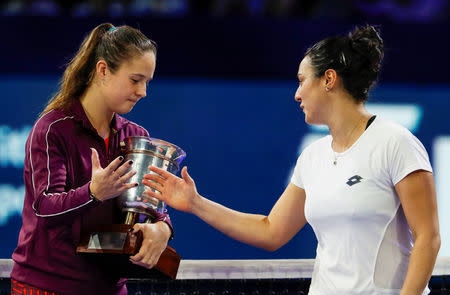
52, 197
407, 154
297, 175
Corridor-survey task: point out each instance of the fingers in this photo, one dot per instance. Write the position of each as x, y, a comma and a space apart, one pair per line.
154, 181
141, 259
138, 256
155, 178
163, 173
94, 159
127, 186
113, 180
144, 257
136, 228
124, 168
153, 185
186, 176
114, 165
124, 173
156, 195
144, 261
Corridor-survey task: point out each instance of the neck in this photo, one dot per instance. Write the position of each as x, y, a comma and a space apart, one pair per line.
97, 113
347, 125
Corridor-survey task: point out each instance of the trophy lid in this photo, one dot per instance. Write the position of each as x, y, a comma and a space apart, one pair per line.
155, 145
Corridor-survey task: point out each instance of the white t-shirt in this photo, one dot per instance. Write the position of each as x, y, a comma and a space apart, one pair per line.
364, 240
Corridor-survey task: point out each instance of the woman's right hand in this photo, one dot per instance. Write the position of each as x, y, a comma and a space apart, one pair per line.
112, 181
178, 193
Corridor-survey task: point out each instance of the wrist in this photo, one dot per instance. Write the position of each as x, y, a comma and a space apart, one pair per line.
92, 194
165, 229
196, 204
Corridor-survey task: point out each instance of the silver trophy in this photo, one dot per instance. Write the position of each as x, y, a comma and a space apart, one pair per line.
111, 244
144, 152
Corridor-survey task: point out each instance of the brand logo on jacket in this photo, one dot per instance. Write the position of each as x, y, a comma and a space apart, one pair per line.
354, 180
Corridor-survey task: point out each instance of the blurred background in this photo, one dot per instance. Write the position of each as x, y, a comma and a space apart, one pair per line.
224, 92
395, 10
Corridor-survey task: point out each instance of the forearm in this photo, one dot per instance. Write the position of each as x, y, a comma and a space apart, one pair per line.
252, 229
267, 232
63, 206
421, 264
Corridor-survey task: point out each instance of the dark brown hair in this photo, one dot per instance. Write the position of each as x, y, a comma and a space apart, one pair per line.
356, 58
112, 44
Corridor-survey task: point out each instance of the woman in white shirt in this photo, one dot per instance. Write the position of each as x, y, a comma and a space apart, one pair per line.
366, 189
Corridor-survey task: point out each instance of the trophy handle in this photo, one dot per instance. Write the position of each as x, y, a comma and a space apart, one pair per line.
168, 262
117, 256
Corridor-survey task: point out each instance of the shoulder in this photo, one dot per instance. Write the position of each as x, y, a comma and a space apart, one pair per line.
403, 151
400, 145
52, 122
130, 127
389, 127
391, 132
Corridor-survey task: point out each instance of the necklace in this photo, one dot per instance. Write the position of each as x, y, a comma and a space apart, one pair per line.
335, 155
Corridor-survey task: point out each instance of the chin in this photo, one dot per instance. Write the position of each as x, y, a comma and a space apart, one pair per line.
311, 121
123, 110
308, 120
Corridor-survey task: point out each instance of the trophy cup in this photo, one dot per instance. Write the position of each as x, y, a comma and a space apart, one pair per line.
113, 244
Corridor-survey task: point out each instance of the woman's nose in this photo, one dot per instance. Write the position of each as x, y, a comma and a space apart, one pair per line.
297, 96
142, 91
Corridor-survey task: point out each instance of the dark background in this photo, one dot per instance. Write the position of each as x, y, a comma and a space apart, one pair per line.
224, 90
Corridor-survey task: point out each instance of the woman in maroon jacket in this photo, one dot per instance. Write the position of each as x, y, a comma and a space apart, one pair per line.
66, 188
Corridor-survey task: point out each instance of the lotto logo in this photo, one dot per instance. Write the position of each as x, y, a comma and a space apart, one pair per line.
354, 180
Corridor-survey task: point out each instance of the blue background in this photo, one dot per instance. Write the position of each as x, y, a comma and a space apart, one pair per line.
224, 92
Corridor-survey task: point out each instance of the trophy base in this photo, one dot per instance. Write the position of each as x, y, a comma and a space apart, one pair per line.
110, 247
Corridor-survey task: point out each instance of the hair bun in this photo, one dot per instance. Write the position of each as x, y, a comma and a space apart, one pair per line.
367, 42
369, 33
356, 58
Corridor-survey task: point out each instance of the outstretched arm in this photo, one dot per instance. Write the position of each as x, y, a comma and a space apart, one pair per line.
268, 232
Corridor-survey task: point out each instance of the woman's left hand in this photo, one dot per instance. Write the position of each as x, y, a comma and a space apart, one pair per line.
155, 237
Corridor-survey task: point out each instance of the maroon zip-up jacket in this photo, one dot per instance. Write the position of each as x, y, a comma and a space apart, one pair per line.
57, 204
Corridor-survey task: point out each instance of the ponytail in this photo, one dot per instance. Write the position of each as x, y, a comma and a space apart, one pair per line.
79, 72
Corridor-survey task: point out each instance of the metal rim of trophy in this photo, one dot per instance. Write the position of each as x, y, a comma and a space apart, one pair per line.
154, 154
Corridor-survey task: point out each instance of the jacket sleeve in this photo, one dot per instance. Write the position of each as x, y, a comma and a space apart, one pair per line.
52, 196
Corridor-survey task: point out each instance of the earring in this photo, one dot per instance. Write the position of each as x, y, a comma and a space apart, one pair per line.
327, 88
101, 81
